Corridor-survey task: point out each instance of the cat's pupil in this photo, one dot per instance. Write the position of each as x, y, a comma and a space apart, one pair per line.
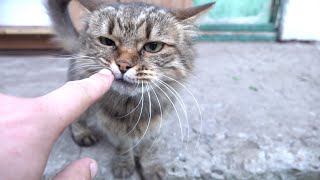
153, 46
106, 41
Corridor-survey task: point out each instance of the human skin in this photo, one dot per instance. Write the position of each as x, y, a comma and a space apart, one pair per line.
30, 127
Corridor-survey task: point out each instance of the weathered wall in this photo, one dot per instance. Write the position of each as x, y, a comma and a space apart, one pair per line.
301, 20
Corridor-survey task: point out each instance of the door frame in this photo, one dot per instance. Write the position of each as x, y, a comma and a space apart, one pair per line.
245, 32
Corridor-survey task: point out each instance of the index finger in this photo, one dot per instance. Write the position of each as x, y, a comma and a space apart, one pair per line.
67, 103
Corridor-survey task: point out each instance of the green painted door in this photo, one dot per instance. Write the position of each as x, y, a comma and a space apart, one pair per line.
244, 20
238, 12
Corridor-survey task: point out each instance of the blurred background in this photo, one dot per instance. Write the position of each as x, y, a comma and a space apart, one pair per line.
245, 20
257, 81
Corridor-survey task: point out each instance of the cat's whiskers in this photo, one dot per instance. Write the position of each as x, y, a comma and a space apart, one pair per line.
81, 57
85, 66
149, 121
181, 129
177, 113
63, 56
197, 104
133, 108
88, 64
87, 69
70, 58
126, 97
78, 61
135, 89
104, 61
84, 60
60, 58
182, 104
74, 56
161, 119
140, 112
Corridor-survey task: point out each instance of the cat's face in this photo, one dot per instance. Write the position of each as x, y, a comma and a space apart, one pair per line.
142, 45
138, 44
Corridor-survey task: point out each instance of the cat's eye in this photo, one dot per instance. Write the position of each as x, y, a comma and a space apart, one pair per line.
106, 41
153, 47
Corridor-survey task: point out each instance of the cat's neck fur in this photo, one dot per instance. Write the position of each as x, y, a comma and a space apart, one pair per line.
118, 105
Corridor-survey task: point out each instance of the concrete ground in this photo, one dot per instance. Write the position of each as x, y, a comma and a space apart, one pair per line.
260, 104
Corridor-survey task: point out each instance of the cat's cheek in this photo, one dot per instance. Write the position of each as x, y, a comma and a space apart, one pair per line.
130, 75
176, 72
147, 55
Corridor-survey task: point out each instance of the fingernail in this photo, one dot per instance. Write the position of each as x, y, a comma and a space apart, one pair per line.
93, 169
105, 72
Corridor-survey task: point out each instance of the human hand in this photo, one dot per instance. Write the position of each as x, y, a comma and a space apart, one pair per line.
30, 127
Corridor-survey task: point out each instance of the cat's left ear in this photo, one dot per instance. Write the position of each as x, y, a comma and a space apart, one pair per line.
80, 8
76, 12
191, 14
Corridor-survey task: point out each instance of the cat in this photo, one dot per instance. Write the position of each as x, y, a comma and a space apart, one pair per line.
149, 50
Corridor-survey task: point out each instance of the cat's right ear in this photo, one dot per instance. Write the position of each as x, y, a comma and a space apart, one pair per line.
77, 12
191, 14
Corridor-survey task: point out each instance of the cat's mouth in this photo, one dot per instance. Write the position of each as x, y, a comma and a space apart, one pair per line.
128, 87
121, 80
124, 82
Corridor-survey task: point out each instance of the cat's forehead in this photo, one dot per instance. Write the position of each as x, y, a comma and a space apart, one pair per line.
132, 21
134, 10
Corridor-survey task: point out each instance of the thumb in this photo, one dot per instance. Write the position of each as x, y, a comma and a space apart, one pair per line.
84, 169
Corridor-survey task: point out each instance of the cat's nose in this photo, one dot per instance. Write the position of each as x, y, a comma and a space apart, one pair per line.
124, 67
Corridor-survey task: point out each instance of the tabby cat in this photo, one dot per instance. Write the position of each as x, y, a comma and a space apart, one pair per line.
148, 49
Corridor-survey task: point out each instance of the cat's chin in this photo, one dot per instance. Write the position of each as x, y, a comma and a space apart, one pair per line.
126, 88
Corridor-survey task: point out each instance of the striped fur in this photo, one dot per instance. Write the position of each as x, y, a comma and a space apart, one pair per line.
130, 26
